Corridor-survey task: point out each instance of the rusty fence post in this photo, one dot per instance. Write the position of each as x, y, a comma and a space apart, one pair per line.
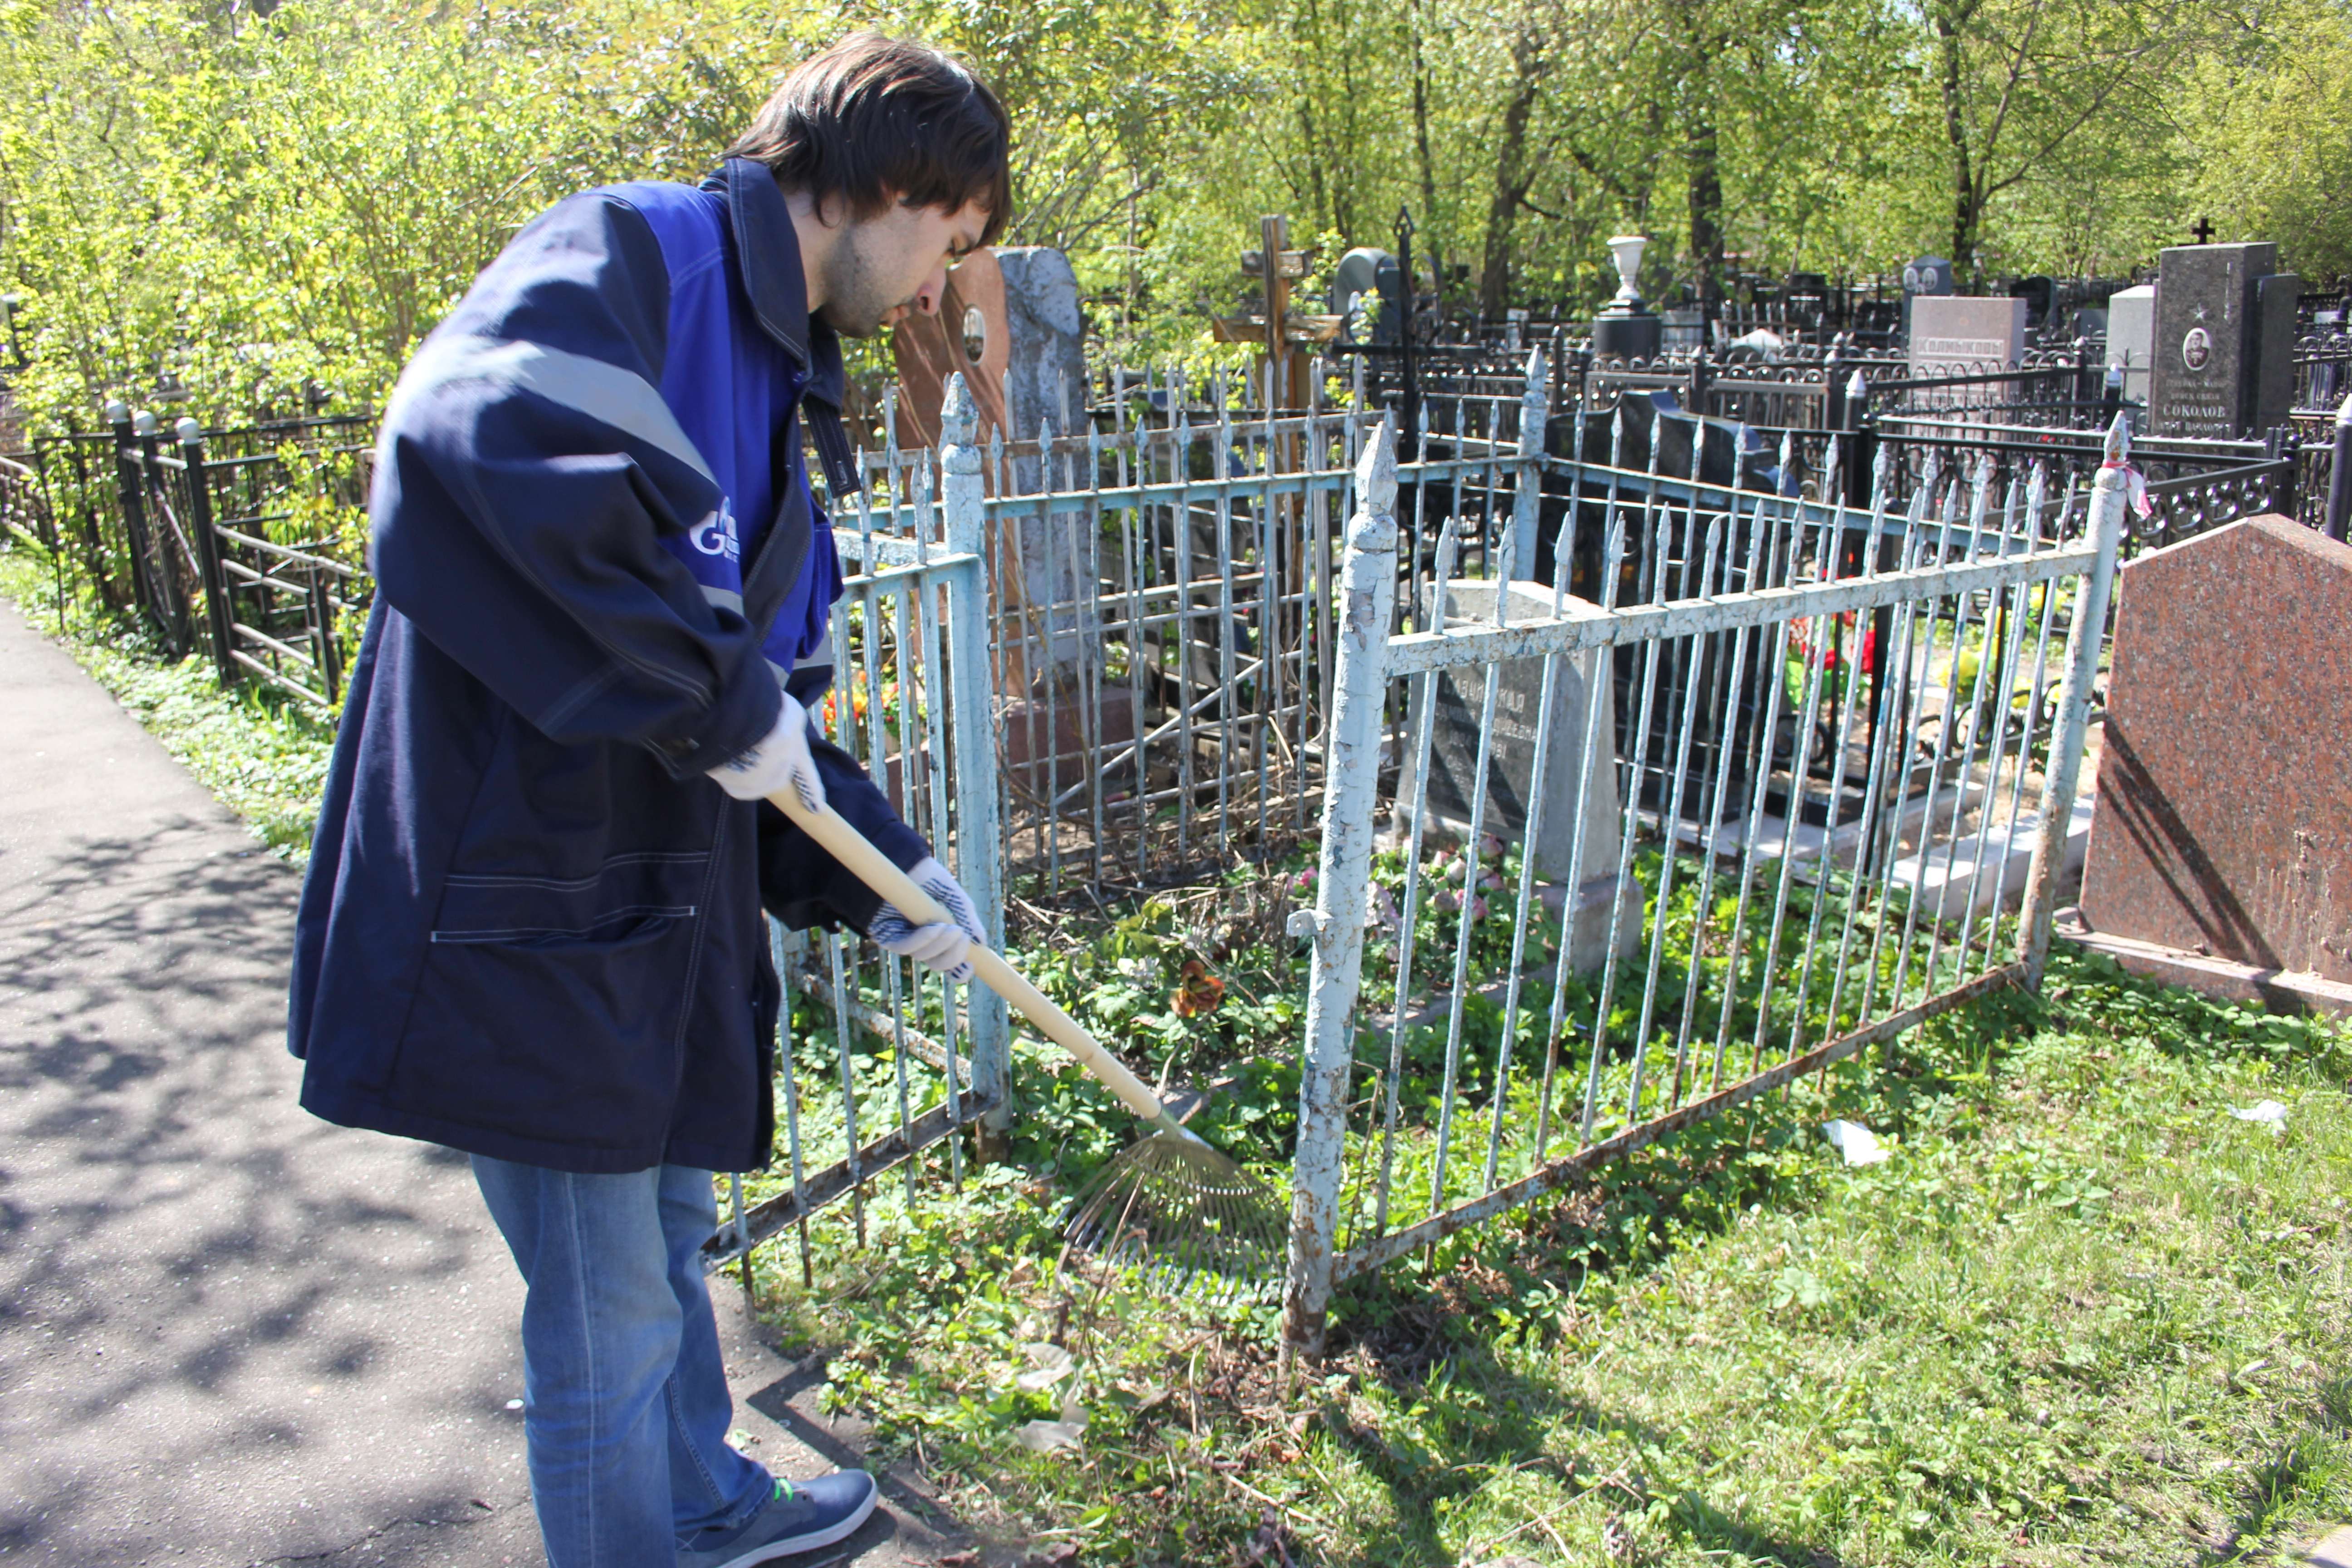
2084, 638
1336, 924
218, 615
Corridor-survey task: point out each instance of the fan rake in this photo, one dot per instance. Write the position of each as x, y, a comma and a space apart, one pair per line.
1171, 1205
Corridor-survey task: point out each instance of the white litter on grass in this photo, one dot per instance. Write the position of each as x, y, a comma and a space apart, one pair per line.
1045, 1436
1858, 1143
2269, 1111
1049, 1365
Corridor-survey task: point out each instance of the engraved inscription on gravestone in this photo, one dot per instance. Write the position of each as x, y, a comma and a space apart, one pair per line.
1961, 335
2223, 345
1955, 333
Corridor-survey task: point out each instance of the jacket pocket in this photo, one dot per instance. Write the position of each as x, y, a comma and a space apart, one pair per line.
549, 1007
625, 893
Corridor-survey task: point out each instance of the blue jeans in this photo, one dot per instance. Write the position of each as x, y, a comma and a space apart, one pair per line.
625, 1408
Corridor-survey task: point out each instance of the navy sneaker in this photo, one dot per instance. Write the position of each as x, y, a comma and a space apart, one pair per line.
799, 1518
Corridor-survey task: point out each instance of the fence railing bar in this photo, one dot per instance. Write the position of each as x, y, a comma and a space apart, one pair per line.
1830, 557
2034, 699
1891, 681
1414, 652
273, 645
1826, 881
1966, 777
301, 556
2010, 623
292, 689
1596, 703
1718, 790
1555, 1174
1416, 830
1469, 900
1959, 599
1772, 675
843, 1178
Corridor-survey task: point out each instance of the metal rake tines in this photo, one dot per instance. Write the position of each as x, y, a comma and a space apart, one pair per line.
1179, 1212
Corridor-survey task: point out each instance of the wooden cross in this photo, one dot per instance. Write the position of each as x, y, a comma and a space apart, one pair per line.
2203, 231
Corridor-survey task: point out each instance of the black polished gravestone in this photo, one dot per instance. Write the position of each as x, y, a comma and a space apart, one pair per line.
2223, 354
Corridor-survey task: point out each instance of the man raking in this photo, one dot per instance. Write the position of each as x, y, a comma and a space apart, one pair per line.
532, 925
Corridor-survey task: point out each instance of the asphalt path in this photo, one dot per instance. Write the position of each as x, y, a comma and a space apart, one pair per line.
230, 1333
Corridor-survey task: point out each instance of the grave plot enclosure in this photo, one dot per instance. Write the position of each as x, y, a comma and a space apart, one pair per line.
1754, 954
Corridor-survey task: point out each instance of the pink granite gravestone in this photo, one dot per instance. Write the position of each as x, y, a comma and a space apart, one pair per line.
2224, 827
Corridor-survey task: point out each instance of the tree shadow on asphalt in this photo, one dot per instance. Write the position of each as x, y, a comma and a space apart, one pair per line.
171, 1226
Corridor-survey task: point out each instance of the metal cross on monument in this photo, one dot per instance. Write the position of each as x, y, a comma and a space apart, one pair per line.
2203, 231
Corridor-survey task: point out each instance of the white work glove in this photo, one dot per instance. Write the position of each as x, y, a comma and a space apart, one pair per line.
941, 947
781, 758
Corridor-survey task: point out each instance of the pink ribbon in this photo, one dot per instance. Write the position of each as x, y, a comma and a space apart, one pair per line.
2135, 487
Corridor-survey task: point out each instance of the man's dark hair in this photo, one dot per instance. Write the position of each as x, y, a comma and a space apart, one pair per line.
874, 116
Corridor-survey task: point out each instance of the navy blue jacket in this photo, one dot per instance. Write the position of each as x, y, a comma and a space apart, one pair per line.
531, 926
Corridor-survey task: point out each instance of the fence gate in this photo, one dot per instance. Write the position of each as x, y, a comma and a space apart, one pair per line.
1841, 736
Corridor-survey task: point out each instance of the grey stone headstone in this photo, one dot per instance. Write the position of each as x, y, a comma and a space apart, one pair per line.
1510, 770
1953, 332
1046, 376
2218, 367
1926, 275
1046, 386
2271, 384
2131, 332
1591, 902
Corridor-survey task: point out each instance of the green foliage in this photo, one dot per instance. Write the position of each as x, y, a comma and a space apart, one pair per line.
230, 206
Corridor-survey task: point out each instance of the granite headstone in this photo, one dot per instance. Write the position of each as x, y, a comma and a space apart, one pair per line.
1510, 777
1010, 322
2223, 826
1926, 275
2224, 342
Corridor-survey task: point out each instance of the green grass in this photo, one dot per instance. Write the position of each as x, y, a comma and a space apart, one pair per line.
262, 756
2080, 1315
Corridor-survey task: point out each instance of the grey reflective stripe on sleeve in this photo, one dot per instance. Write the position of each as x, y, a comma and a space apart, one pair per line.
605, 393
725, 598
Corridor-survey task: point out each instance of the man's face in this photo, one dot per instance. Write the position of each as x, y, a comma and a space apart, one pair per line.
886, 265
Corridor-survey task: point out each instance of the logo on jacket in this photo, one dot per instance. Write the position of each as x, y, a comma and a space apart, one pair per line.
715, 534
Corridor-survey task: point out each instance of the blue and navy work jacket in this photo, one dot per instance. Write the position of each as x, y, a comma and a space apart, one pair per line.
531, 925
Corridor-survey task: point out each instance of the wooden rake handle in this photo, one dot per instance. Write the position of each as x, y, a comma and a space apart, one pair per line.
875, 869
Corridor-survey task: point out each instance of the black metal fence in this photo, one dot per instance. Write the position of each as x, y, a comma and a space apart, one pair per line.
2323, 371
245, 542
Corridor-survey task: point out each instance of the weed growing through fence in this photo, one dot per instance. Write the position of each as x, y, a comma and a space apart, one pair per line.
2080, 1313
263, 756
